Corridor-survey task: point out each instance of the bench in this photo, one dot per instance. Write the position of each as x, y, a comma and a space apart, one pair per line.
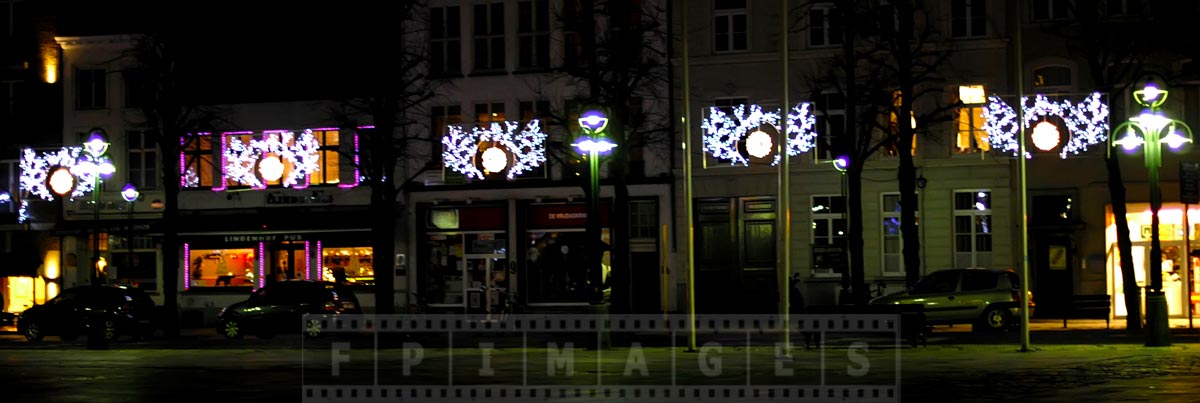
912, 317
1087, 307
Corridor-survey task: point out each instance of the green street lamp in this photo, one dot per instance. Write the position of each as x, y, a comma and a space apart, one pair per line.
95, 162
1153, 129
593, 141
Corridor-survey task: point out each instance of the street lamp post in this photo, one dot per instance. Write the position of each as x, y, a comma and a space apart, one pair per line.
95, 160
593, 141
1153, 129
130, 194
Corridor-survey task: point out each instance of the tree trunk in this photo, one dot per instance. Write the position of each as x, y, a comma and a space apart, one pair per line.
383, 208
908, 211
858, 283
1116, 191
170, 240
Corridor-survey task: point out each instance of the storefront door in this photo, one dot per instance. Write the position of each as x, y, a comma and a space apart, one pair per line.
288, 261
487, 287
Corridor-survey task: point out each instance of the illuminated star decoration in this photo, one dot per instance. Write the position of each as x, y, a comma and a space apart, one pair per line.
1087, 122
35, 169
527, 146
242, 158
723, 132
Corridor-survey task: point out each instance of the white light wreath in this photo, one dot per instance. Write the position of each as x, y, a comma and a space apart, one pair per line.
1087, 122
527, 147
303, 152
723, 132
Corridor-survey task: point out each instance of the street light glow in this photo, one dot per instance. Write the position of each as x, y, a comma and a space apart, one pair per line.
841, 163
1130, 142
1151, 92
593, 120
601, 145
130, 193
1175, 140
96, 145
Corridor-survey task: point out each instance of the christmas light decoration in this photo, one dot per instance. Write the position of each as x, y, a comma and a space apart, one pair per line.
262, 262
270, 168
187, 267
1045, 136
723, 132
758, 144
527, 147
307, 261
36, 170
1086, 122
494, 159
242, 158
23, 212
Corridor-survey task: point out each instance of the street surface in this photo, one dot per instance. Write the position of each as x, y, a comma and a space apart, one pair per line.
1082, 365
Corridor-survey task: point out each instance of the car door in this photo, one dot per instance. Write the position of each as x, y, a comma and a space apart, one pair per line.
979, 289
62, 314
937, 292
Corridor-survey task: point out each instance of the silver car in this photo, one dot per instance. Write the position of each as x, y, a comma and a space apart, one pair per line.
988, 299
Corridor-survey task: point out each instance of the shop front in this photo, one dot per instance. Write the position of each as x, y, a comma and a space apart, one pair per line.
554, 247
465, 263
1179, 283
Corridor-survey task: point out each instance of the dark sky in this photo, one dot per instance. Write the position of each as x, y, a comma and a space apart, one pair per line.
252, 50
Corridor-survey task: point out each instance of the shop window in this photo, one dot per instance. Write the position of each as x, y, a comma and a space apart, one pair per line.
139, 268
198, 168
557, 269
222, 268
968, 18
972, 229
459, 263
91, 88
893, 241
348, 265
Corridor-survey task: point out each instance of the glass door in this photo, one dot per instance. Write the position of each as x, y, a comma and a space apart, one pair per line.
287, 261
489, 282
463, 271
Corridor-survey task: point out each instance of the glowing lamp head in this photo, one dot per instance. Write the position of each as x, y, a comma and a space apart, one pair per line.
1045, 136
494, 160
1150, 96
5, 197
130, 193
61, 181
105, 169
841, 163
598, 145
759, 144
96, 145
1130, 142
271, 168
594, 120
1175, 140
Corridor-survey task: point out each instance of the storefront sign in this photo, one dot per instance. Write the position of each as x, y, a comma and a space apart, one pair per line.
292, 198
264, 238
573, 215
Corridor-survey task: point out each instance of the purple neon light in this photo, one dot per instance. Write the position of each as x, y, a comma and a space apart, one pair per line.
307, 262
325, 129
182, 167
262, 261
356, 173
187, 267
221, 163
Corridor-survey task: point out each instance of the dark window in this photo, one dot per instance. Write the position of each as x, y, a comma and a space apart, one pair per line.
968, 18
978, 281
825, 26
489, 37
533, 34
136, 91
1046, 10
730, 25
939, 282
91, 89
1052, 76
831, 123
444, 51
1124, 7
1052, 210
143, 159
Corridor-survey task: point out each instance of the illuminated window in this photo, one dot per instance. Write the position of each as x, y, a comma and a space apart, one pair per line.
828, 226
489, 37
198, 169
245, 139
892, 240
972, 94
825, 26
348, 265
91, 89
485, 114
892, 148
223, 268
971, 137
330, 158
445, 55
730, 26
968, 18
973, 228
1051, 76
533, 34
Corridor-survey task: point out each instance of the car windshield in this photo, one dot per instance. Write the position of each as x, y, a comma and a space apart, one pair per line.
939, 282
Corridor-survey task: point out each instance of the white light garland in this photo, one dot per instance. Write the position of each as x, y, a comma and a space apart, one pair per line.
241, 158
1087, 122
35, 169
723, 132
527, 146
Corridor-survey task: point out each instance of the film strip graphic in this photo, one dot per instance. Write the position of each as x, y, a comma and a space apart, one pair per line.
587, 357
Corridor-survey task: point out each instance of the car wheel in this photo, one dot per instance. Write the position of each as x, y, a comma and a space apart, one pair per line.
33, 332
312, 328
995, 318
231, 329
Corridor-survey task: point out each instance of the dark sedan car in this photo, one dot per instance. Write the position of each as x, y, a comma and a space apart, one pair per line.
122, 310
279, 308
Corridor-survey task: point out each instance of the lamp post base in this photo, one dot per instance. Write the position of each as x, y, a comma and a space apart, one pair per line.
1158, 329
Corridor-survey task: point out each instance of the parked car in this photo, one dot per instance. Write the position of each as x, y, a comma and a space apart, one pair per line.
279, 308
121, 309
988, 299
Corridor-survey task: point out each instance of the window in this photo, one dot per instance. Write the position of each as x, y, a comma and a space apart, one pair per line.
348, 265
971, 137
489, 37
831, 122
972, 229
825, 26
138, 268
973, 280
198, 169
893, 241
937, 283
730, 26
136, 92
828, 228
1123, 7
486, 114
330, 159
143, 159
552, 275
894, 127
533, 34
643, 219
572, 20
968, 18
443, 117
1052, 76
445, 33
245, 139
1047, 10
91, 89
222, 267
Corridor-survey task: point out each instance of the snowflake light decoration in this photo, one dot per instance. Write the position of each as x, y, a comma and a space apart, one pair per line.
723, 132
526, 146
241, 158
35, 169
1086, 121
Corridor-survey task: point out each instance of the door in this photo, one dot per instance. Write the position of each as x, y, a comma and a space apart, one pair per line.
288, 262
488, 282
716, 257
937, 292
